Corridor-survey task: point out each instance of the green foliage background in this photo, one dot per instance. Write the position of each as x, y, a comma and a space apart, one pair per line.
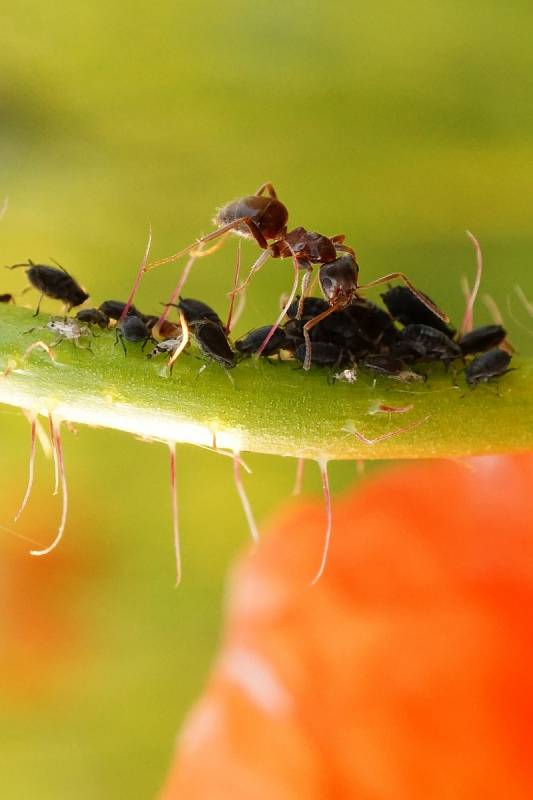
398, 124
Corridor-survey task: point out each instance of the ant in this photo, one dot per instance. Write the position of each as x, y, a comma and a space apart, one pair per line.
53, 282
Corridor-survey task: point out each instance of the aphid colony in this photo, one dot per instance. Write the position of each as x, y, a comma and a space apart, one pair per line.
340, 331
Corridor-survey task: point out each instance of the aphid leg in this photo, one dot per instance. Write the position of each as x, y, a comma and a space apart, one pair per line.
138, 279
304, 290
468, 319
365, 440
323, 466
177, 291
53, 444
256, 266
184, 342
234, 287
386, 278
268, 188
284, 310
175, 518
55, 427
119, 337
300, 464
36, 312
311, 324
247, 221
31, 465
243, 497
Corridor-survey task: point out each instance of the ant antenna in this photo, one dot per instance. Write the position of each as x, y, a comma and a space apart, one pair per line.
468, 319
138, 279
243, 497
300, 464
323, 467
58, 451
33, 423
175, 519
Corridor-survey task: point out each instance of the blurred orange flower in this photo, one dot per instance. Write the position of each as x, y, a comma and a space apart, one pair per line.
406, 673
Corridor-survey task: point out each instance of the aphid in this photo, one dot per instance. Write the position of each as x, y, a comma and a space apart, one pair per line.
66, 328
114, 308
173, 347
7, 298
391, 367
422, 343
131, 329
481, 339
324, 354
249, 344
347, 375
310, 307
371, 323
406, 307
382, 408
196, 311
55, 283
93, 316
214, 343
486, 367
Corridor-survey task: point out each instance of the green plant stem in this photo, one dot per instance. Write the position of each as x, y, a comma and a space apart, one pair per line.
261, 407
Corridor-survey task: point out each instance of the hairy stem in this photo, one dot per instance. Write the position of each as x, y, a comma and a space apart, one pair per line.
261, 406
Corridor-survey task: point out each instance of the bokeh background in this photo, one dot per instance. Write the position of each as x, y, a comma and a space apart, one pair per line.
398, 124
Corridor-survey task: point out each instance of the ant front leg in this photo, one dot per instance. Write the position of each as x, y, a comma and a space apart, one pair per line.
311, 324
423, 299
269, 188
254, 231
304, 290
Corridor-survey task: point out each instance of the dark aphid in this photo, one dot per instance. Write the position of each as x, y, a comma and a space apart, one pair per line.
408, 309
114, 308
488, 366
481, 339
391, 367
371, 323
214, 343
196, 311
54, 282
131, 329
311, 306
325, 354
422, 343
93, 316
250, 343
7, 298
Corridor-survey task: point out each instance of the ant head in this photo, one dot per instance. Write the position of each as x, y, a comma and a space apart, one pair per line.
338, 279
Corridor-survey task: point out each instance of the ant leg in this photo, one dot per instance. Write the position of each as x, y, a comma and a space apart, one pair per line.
284, 310
299, 477
31, 465
55, 427
362, 438
269, 188
36, 313
338, 241
468, 319
243, 498
323, 466
250, 224
138, 279
256, 266
233, 292
386, 278
311, 324
175, 518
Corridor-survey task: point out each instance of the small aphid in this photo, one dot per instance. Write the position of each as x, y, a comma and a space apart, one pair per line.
93, 316
487, 367
7, 298
214, 343
391, 367
405, 306
250, 343
382, 408
66, 328
481, 339
422, 343
196, 311
165, 346
347, 375
114, 308
55, 283
131, 329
